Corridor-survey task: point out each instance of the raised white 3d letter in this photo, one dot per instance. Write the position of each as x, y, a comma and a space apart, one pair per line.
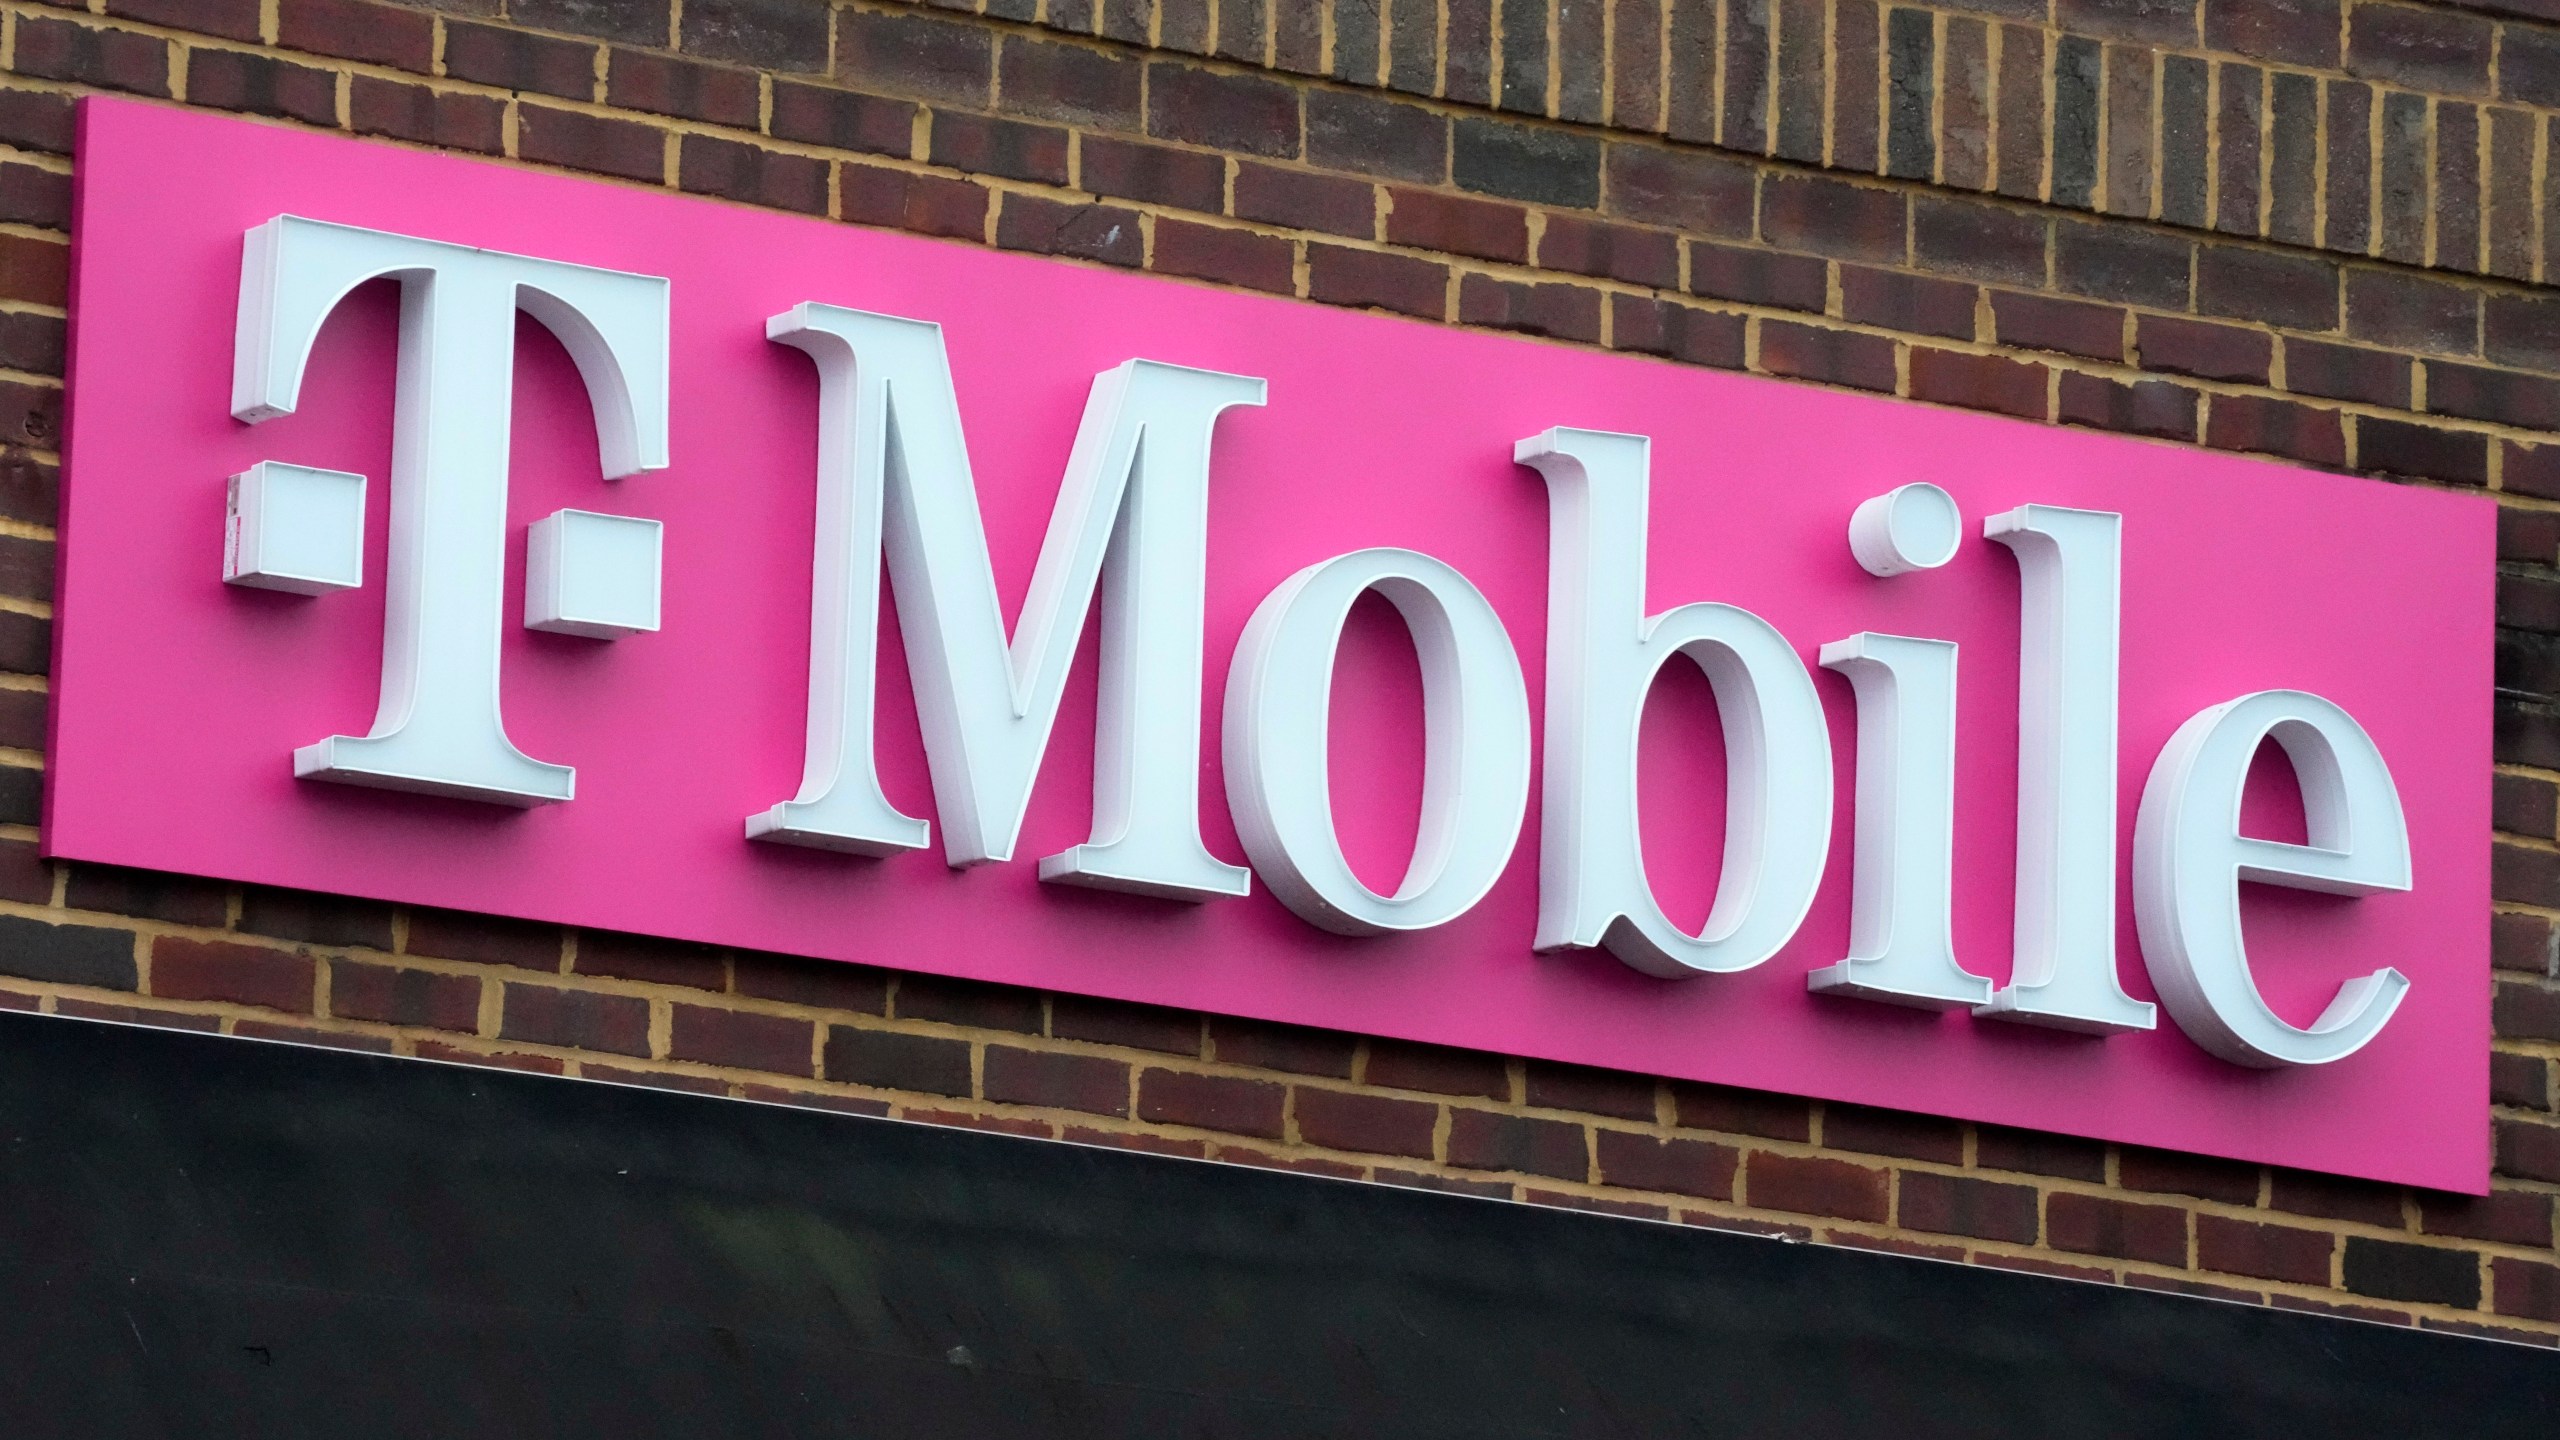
1603, 653
2189, 858
1475, 770
439, 728
2069, 570
1901, 929
1131, 520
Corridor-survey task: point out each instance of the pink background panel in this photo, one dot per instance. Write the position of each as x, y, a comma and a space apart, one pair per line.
179, 700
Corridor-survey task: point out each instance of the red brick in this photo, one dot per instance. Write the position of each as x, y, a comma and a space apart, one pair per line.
511, 59
653, 1079
813, 1099
1135, 1140
1090, 1083
1445, 1184
1914, 304
260, 85
183, 969
1374, 279
2170, 1173
1007, 148
2089, 1225
1980, 241
394, 995
25, 876
1691, 190
2277, 427
1816, 1185
1612, 252
1960, 1205
575, 1019
1756, 276
2159, 408
2523, 943
1213, 1102
1105, 233
1487, 229
1295, 1049
1158, 174
448, 119
230, 19
2520, 1080
1489, 1140
1685, 1167
1373, 1124
2528, 1150
1072, 84
1562, 312
311, 1035
926, 204
79, 1009
892, 1060
1979, 382
590, 142
2528, 1289
1834, 218
1298, 1164
2505, 1217
741, 1038
1838, 357
1111, 1022
2267, 1252
2526, 1011
752, 175
2478, 393
1305, 201
2289, 32
2207, 351
50, 49
1598, 1205
1230, 256
355, 30
668, 85
1679, 332
36, 120
33, 270
820, 115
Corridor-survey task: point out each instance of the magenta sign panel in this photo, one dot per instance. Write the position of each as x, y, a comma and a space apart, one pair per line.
2295, 974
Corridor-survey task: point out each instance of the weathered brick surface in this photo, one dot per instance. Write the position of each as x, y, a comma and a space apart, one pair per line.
2319, 230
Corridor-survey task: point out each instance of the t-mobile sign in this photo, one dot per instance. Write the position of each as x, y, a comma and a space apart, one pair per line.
454, 535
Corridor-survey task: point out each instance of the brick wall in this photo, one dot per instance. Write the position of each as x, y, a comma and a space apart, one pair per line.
2305, 228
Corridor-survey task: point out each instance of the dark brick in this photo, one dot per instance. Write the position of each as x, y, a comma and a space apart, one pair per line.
741, 1038
2089, 1225
514, 60
1677, 332
2522, 804
1979, 382
1561, 312
2202, 1176
21, 795
352, 30
2241, 105
1235, 257
1613, 252
50, 49
2289, 32
768, 34
1746, 75
967, 1002
1111, 1022
2400, 203
2350, 161
22, 724
1339, 276
2186, 134
1248, 113
1213, 1102
918, 55
2343, 372
2299, 292
2293, 159
1623, 1209
2022, 144
1138, 171
2268, 1252
30, 195
2426, 49
2529, 66
589, 142
390, 995
1442, 1071
2395, 447
1910, 148
258, 85
26, 569
29, 414
1522, 82
576, 1019
2277, 427
1090, 1083
2395, 1270
1073, 84
1914, 304
1297, 1050
2169, 23
1488, 1140
1856, 53
1892, 1132
311, 1035
1758, 277
2333, 1197
2526, 401
1838, 357
1816, 1185
650, 960
638, 24
184, 969
2458, 198
1594, 1092
2414, 312
2038, 322
26, 643
2528, 1150
2505, 1217
315, 919
447, 119
1525, 162
823, 984
29, 485
2532, 537
1303, 200
80, 1009
179, 899
1702, 193
2526, 1288
486, 940
1964, 105
1444, 1184
1742, 1112
1832, 217
1683, 1167
1372, 1124
2204, 350
888, 1060
2525, 1011
926, 204
33, 119
2134, 267
752, 175
1008, 148
2523, 330
2523, 876
666, 85
2076, 86
1186, 25
230, 19
2129, 115
1959, 1205
2532, 470
1371, 135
